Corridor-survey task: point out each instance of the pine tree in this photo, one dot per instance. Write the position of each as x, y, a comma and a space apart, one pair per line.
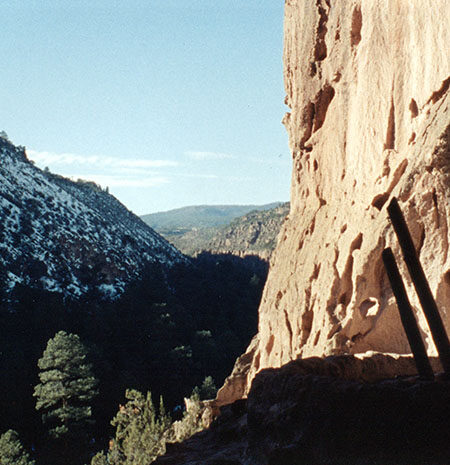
67, 386
208, 389
11, 450
140, 431
100, 458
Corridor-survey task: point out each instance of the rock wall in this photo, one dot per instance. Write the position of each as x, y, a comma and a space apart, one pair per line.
367, 82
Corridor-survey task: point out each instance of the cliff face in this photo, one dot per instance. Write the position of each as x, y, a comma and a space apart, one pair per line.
367, 82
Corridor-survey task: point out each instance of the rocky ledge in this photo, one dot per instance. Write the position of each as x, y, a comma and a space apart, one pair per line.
336, 411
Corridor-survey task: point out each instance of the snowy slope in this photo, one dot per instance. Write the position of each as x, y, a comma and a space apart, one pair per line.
68, 236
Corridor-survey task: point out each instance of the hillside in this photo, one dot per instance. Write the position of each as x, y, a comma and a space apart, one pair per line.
199, 216
69, 237
254, 233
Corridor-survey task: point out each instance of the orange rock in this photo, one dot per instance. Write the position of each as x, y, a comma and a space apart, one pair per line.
368, 84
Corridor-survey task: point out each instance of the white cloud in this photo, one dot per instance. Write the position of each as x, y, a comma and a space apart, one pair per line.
197, 155
280, 160
119, 181
49, 158
195, 175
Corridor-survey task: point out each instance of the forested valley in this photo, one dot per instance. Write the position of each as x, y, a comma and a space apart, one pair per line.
106, 327
167, 333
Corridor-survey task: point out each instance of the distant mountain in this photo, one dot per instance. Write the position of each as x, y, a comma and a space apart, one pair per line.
200, 216
69, 237
254, 233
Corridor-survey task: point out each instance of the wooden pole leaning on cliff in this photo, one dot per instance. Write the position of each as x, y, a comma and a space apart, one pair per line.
407, 316
421, 285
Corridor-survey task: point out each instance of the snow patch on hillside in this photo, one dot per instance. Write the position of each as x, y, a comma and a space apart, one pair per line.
67, 236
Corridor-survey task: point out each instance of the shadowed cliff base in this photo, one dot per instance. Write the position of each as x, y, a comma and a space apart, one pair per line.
336, 411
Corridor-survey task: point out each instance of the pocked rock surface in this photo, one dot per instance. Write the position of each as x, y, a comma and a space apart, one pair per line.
367, 82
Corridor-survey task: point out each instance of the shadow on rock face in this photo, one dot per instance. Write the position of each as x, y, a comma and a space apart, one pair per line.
321, 420
324, 411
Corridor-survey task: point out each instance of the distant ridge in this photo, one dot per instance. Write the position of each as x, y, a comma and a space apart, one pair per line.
254, 233
200, 216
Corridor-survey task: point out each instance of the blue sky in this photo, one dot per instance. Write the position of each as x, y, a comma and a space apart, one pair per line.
167, 102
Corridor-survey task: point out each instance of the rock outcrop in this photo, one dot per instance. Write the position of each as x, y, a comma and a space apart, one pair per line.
252, 234
367, 82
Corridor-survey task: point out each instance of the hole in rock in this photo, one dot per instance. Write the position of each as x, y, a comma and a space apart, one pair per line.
412, 138
278, 298
316, 271
435, 96
308, 121
257, 361
320, 51
316, 339
288, 324
447, 277
355, 35
413, 108
323, 100
365, 306
307, 321
343, 299
380, 200
269, 345
390, 133
435, 199
357, 242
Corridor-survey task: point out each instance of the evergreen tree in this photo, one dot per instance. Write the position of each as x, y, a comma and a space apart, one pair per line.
208, 389
140, 431
100, 458
11, 450
67, 386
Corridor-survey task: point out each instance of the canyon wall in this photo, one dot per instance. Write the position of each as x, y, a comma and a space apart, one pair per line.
367, 84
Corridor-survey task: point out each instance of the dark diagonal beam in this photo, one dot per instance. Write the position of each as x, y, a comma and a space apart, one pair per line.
421, 285
407, 316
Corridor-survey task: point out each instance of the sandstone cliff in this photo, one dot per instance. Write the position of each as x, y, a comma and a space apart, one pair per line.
367, 82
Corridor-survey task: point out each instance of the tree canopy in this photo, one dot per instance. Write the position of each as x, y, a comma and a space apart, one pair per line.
140, 432
12, 451
67, 385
